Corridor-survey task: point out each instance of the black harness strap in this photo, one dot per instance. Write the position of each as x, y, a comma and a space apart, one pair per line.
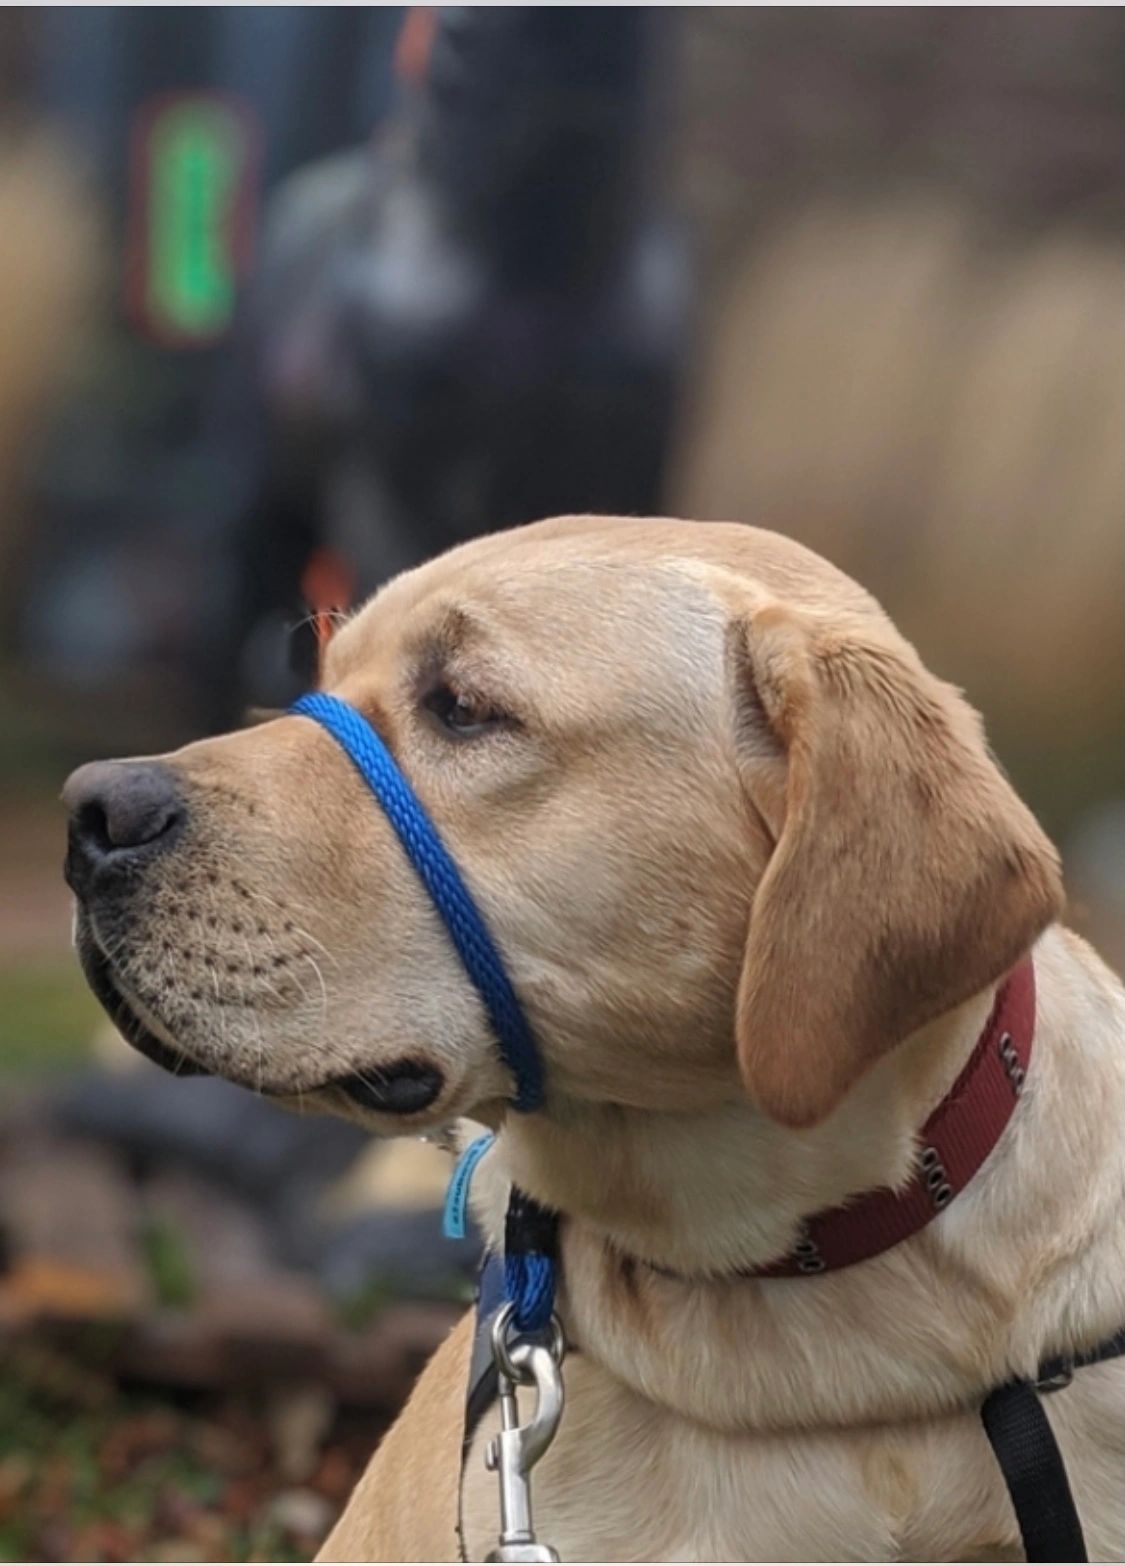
1025, 1447
1028, 1454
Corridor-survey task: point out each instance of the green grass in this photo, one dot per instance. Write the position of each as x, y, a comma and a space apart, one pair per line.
47, 1016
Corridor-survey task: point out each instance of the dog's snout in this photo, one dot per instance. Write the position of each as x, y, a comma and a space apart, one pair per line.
119, 810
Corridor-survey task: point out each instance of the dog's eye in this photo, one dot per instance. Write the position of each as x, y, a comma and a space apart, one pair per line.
463, 716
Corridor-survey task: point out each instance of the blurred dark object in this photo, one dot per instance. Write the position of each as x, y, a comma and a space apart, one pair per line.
213, 1128
279, 1166
471, 321
183, 120
476, 321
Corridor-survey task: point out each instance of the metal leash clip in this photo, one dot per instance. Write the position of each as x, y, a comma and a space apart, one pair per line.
515, 1451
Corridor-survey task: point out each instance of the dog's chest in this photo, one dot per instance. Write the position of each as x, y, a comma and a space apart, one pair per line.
626, 1480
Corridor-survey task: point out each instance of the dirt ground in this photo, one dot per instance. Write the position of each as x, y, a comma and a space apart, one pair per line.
91, 1471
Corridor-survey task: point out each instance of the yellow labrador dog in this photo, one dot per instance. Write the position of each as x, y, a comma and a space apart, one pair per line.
758, 882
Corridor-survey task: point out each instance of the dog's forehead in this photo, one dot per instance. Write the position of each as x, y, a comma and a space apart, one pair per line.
526, 598
583, 586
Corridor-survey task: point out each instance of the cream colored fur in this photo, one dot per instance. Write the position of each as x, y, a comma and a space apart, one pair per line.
757, 879
779, 1421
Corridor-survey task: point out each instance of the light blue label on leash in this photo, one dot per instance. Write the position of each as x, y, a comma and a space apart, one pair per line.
457, 1194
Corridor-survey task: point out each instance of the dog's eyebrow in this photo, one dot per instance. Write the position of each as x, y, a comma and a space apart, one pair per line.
455, 629
455, 632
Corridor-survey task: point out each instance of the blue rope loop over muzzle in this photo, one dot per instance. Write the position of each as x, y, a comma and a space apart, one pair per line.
531, 1231
442, 879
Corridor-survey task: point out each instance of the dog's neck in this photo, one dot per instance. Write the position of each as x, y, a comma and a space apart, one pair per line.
1024, 1265
727, 1189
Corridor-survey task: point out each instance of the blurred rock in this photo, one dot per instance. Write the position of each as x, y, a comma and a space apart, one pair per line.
302, 1512
206, 1224
214, 1127
406, 1172
404, 1251
67, 1216
299, 1419
226, 1241
179, 1550
378, 1368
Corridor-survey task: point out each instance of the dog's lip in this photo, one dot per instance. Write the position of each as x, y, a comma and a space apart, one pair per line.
100, 977
404, 1087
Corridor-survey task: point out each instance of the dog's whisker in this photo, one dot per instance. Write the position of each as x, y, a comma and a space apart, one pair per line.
324, 1031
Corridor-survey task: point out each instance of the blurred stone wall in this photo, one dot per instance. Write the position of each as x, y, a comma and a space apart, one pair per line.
1019, 110
912, 354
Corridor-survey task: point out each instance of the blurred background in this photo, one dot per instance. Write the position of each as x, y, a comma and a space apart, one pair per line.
291, 298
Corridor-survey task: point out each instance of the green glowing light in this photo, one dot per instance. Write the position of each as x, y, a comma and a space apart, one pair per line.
197, 182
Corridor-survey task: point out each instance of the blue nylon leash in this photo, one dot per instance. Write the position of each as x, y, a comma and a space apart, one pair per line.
531, 1255
531, 1232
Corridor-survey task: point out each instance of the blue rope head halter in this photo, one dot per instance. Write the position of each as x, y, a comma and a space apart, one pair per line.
530, 1246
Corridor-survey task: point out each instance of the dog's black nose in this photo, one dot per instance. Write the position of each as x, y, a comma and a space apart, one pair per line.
119, 811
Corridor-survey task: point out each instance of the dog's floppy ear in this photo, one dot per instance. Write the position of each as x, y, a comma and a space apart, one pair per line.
906, 877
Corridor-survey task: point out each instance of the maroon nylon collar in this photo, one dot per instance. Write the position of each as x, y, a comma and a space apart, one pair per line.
956, 1140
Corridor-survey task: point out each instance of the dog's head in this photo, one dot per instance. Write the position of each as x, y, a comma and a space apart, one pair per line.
728, 833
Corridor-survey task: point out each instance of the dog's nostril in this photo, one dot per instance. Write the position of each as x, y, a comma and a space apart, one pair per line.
134, 821
89, 823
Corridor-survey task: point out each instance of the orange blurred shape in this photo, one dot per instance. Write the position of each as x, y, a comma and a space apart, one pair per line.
38, 1287
415, 40
328, 585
